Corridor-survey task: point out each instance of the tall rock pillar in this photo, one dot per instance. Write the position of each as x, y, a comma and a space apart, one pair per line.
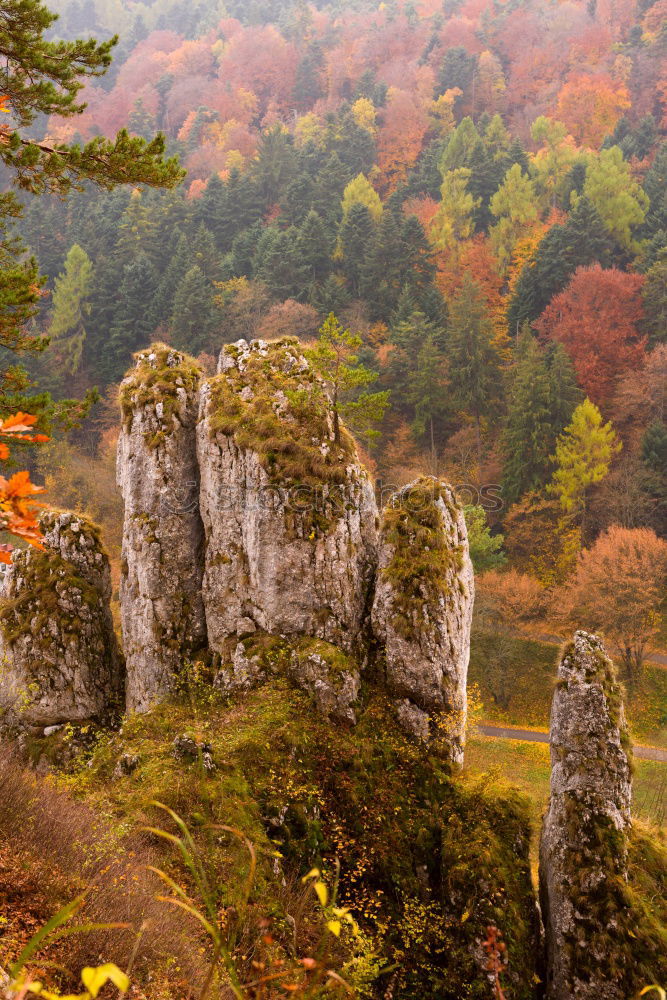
290, 515
584, 845
422, 613
160, 592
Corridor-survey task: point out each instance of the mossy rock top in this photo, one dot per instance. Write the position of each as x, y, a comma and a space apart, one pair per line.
424, 560
159, 374
585, 661
73, 526
270, 401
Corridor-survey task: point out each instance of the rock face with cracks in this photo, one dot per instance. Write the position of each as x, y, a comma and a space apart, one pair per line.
162, 559
422, 612
289, 513
584, 845
59, 657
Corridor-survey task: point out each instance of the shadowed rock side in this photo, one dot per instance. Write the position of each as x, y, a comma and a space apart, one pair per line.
584, 845
422, 612
160, 592
289, 513
59, 657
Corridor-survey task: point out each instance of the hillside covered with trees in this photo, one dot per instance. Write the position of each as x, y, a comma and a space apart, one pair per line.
485, 210
401, 267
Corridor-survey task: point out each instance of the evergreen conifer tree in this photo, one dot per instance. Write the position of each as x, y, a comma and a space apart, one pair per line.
474, 365
314, 244
191, 318
134, 324
71, 307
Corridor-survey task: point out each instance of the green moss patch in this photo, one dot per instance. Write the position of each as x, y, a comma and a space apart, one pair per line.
283, 416
277, 653
622, 920
424, 559
47, 578
159, 373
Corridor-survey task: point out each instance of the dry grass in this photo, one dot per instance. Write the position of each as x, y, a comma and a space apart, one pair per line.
55, 848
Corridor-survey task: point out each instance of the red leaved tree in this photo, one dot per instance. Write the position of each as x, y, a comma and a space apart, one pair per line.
596, 318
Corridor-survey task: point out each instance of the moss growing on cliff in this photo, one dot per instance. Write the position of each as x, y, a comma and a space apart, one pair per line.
50, 584
621, 924
600, 668
427, 862
159, 374
424, 560
270, 402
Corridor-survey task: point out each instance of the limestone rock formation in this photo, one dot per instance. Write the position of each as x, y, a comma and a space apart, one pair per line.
422, 612
59, 659
160, 593
289, 513
329, 675
583, 850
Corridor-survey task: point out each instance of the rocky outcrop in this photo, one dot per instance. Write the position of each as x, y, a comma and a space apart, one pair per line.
330, 676
162, 559
422, 611
584, 845
289, 513
59, 659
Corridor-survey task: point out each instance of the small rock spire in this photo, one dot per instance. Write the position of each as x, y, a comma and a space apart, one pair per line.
422, 613
59, 657
584, 843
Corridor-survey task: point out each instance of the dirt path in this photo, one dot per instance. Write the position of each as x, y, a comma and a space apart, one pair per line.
531, 736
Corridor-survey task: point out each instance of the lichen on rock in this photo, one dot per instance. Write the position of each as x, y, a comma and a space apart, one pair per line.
289, 514
162, 559
422, 611
59, 658
599, 943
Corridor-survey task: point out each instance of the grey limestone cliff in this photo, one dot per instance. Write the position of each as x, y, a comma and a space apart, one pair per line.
584, 844
289, 513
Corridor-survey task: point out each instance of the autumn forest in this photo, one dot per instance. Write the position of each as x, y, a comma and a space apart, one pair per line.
459, 210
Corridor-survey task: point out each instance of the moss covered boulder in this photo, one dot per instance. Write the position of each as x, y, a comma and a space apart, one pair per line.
602, 940
422, 611
162, 559
59, 659
289, 512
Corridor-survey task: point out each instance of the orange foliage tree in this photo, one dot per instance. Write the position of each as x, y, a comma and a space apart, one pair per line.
617, 589
405, 123
18, 510
591, 106
596, 318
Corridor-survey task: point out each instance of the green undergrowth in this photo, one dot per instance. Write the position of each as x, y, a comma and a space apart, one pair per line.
281, 656
525, 694
158, 381
285, 418
428, 861
424, 562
